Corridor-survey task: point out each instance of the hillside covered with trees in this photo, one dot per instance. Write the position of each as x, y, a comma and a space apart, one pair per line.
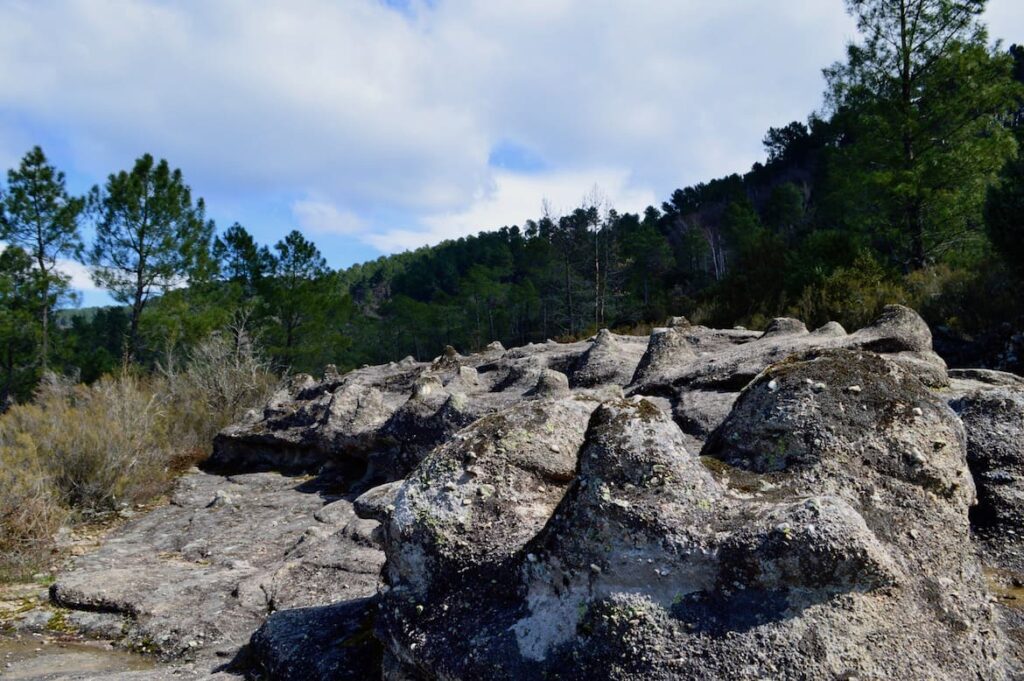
906, 186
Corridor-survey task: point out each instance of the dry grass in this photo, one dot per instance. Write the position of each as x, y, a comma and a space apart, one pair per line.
80, 451
30, 512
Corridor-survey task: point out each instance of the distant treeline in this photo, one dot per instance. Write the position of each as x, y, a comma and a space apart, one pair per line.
906, 187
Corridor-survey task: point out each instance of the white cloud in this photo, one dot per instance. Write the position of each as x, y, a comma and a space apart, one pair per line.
369, 109
369, 106
513, 199
323, 217
78, 273
81, 278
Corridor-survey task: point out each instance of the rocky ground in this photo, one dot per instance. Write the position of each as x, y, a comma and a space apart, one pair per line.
699, 503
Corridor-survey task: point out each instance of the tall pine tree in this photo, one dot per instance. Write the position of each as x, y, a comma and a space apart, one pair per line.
922, 101
38, 214
150, 237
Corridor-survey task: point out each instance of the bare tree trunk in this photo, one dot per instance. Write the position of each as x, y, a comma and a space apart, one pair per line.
568, 296
597, 277
45, 349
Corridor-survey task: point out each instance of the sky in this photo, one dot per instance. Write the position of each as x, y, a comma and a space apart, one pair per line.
376, 126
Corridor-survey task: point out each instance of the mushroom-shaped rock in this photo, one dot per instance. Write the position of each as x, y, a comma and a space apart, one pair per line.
607, 360
854, 413
480, 497
667, 356
652, 563
784, 326
551, 383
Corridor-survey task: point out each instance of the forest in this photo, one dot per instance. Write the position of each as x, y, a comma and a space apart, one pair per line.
905, 186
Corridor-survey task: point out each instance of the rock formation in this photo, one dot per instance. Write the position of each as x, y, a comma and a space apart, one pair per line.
699, 503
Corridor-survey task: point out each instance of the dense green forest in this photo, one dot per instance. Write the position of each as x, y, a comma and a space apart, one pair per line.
906, 186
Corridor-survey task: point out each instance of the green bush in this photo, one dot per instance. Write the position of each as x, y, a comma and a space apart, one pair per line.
853, 296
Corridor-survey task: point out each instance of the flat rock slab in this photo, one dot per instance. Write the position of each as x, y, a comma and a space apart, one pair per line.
29, 658
194, 579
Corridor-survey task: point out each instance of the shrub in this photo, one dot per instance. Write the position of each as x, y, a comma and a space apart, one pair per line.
30, 512
853, 296
79, 450
225, 375
101, 445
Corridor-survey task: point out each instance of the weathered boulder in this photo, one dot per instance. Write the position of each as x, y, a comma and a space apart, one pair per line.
699, 503
899, 332
325, 643
785, 326
994, 419
668, 354
699, 412
833, 500
374, 424
308, 423
608, 360
479, 498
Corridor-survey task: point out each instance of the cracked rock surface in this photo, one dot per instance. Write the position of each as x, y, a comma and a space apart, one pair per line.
192, 580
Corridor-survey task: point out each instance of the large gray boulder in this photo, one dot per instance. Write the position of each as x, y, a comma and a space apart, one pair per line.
833, 499
325, 643
994, 419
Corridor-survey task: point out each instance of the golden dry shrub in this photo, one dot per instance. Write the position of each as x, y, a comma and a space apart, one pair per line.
101, 445
77, 451
225, 375
30, 512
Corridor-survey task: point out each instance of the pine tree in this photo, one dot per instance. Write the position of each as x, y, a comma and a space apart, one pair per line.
150, 237
922, 102
38, 214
